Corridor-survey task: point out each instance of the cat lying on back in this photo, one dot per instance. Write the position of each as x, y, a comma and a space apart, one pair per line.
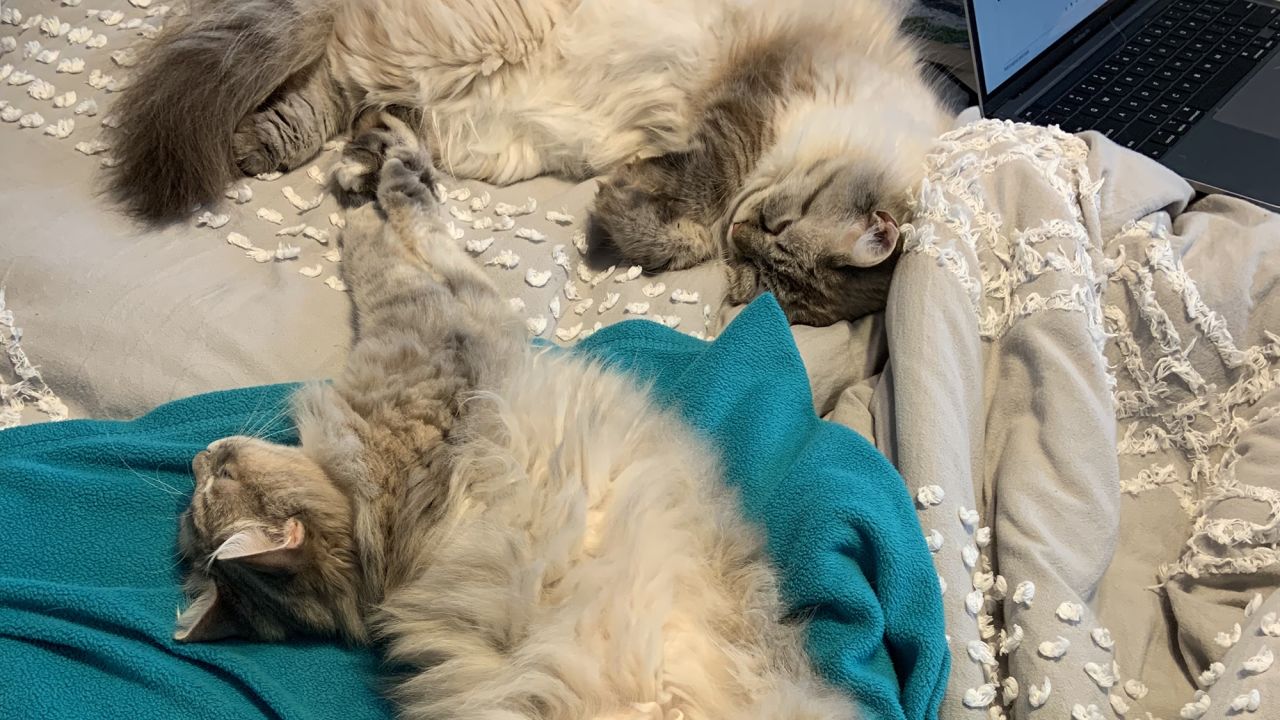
782, 136
521, 528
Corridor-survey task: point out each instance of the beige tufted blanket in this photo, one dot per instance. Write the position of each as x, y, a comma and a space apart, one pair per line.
1082, 395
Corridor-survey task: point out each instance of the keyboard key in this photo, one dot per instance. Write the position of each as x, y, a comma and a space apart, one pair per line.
1064, 109
1087, 88
1108, 127
1146, 94
1163, 137
1133, 103
1074, 98
1153, 117
1142, 69
1107, 99
1146, 40
1169, 74
1029, 115
1176, 128
1208, 66
1124, 115
1051, 118
1158, 53
1179, 65
1157, 84
1133, 135
1176, 96
1076, 124
1093, 110
1187, 115
1152, 150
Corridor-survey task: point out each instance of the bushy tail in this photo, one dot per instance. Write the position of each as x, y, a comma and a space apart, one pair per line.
201, 78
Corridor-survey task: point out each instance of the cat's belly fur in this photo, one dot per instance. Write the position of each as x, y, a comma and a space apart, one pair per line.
515, 88
598, 568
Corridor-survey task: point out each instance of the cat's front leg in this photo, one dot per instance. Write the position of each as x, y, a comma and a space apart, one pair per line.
654, 217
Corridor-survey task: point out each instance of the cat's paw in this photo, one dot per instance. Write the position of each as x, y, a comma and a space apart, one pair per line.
378, 137
252, 154
649, 229
259, 146
406, 178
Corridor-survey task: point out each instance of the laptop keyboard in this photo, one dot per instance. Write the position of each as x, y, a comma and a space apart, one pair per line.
1151, 91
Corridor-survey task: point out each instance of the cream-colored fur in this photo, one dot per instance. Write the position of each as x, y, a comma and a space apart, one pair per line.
517, 88
603, 569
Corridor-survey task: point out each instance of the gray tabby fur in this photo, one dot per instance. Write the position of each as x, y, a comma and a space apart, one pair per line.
522, 529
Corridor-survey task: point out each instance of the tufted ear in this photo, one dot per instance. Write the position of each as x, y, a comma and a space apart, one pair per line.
257, 548
206, 619
876, 243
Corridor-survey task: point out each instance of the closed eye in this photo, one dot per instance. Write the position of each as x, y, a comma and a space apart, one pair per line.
776, 226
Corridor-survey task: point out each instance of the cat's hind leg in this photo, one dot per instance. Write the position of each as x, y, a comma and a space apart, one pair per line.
293, 124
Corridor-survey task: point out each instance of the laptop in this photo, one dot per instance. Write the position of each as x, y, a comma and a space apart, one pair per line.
1194, 84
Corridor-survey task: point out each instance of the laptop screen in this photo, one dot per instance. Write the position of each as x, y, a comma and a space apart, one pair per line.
1012, 33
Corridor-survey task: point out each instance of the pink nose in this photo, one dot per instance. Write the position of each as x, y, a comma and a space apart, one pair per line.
733, 229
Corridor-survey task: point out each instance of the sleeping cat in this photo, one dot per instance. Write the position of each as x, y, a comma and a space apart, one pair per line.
522, 529
783, 136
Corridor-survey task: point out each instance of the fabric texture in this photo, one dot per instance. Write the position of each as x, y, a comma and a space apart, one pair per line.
89, 580
1082, 394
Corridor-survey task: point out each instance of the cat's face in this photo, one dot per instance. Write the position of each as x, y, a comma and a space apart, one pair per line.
824, 240
268, 540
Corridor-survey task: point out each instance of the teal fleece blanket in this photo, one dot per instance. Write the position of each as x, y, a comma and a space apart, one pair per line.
89, 575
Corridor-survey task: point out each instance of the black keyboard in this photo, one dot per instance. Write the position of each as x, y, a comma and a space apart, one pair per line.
1178, 65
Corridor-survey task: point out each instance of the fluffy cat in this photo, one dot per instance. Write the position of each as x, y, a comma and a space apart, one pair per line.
520, 528
782, 136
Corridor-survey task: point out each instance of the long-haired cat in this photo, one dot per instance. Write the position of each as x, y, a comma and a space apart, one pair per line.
783, 136
523, 529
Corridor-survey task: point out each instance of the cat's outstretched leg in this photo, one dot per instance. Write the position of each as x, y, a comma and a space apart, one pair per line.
293, 124
405, 271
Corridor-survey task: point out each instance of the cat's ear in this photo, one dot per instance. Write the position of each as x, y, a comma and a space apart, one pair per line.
874, 245
206, 619
257, 548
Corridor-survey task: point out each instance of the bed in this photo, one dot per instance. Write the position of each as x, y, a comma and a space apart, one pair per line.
1076, 373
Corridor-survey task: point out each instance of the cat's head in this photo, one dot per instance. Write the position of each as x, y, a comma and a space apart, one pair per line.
824, 239
268, 540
